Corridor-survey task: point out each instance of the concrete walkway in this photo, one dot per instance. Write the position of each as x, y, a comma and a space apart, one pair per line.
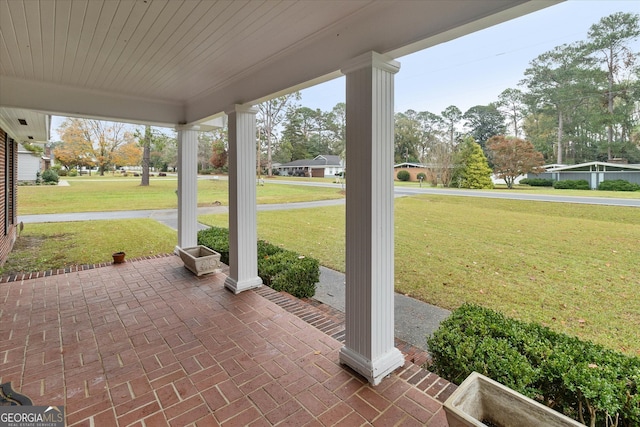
414, 320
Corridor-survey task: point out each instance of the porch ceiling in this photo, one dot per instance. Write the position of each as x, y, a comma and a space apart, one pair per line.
167, 62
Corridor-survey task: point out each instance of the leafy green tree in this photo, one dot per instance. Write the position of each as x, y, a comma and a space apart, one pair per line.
407, 137
452, 117
513, 157
608, 44
483, 122
511, 104
472, 169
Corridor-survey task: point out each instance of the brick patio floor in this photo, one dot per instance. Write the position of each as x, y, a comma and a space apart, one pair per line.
146, 343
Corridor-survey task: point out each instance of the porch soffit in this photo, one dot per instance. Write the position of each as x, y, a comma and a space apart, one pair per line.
168, 62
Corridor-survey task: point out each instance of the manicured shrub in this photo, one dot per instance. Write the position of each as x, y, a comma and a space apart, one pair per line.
421, 176
73, 172
585, 381
618, 185
280, 269
50, 176
404, 175
570, 184
537, 182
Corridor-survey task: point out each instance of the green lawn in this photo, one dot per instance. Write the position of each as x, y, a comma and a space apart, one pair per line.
116, 193
572, 267
54, 245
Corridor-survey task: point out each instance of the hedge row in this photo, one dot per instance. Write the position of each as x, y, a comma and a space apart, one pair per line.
618, 185
537, 182
570, 184
585, 381
280, 269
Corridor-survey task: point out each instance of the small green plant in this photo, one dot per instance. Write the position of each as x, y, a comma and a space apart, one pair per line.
50, 176
618, 185
537, 182
280, 269
585, 381
73, 172
570, 184
421, 176
403, 175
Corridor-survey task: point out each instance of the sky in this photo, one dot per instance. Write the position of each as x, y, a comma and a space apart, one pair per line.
475, 69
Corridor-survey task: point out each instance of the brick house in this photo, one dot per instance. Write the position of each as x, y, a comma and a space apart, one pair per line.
8, 189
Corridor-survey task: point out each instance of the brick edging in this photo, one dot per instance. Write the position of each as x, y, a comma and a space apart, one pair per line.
70, 269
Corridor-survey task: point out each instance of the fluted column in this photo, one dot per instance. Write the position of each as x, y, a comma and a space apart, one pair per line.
369, 345
243, 231
187, 186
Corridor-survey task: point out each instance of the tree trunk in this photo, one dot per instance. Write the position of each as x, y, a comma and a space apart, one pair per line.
146, 155
560, 130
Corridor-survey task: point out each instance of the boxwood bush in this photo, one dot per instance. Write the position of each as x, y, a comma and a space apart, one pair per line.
403, 175
618, 185
583, 380
570, 184
537, 182
279, 268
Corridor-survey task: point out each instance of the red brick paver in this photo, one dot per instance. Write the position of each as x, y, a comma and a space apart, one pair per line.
146, 343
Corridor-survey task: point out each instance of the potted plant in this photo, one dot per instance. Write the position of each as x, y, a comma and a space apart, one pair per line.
200, 259
118, 257
481, 401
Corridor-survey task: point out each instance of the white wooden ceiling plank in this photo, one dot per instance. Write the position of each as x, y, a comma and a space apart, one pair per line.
11, 19
171, 17
105, 17
139, 40
113, 43
176, 57
34, 30
230, 23
132, 34
89, 30
60, 37
47, 22
76, 32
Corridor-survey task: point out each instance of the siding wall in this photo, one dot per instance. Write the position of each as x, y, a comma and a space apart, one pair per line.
594, 178
8, 167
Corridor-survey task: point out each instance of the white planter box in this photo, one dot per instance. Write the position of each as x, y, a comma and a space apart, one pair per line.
200, 260
480, 398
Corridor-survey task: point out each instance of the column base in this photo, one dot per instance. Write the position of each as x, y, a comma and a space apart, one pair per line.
374, 371
238, 286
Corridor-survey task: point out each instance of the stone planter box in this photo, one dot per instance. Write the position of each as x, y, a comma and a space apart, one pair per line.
200, 260
481, 399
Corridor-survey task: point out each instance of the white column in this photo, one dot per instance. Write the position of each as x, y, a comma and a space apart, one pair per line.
369, 345
187, 186
243, 231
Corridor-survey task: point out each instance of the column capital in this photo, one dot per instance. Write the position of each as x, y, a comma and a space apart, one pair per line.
179, 128
371, 59
241, 108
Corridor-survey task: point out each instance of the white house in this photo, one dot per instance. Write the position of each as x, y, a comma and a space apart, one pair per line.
319, 167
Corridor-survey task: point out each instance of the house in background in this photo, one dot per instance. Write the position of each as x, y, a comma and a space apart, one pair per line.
319, 167
593, 172
16, 126
30, 161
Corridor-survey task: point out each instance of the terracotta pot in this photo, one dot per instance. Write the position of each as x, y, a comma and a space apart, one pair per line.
118, 257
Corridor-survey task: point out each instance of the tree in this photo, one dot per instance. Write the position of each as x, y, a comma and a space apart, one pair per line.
511, 105
513, 157
407, 137
219, 156
129, 154
608, 44
452, 116
473, 170
270, 115
483, 122
559, 78
75, 148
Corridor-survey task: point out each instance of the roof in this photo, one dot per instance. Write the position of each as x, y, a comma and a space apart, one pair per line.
596, 166
165, 62
321, 160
